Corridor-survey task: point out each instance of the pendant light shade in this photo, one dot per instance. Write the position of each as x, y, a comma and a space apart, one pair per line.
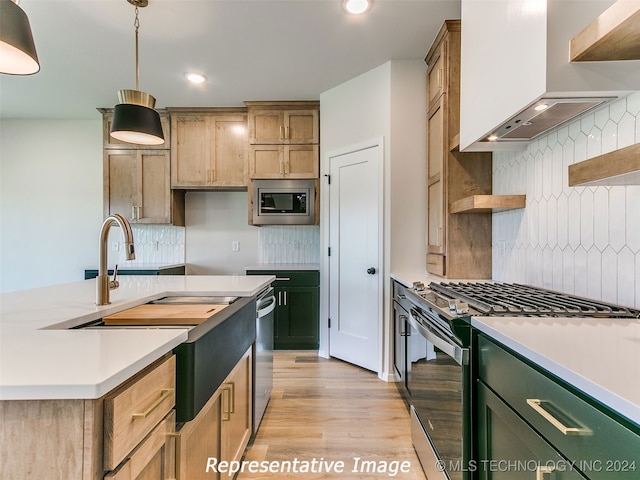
17, 50
134, 119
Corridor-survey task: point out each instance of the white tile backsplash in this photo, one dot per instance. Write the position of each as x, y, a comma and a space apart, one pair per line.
154, 244
289, 244
580, 240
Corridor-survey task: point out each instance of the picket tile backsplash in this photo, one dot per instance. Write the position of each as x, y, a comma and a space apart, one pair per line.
580, 240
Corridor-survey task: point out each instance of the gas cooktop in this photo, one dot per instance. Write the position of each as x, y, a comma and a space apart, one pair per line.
458, 299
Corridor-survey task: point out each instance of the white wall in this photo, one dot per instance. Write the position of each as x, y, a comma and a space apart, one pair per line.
579, 240
387, 102
50, 200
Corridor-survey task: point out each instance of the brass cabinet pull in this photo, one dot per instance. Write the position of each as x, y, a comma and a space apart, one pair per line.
281, 132
542, 470
164, 394
226, 413
286, 133
232, 394
282, 279
537, 407
178, 452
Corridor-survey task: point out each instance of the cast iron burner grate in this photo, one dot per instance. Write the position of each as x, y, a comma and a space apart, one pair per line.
512, 299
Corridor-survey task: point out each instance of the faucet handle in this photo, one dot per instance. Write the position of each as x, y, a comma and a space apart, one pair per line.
113, 284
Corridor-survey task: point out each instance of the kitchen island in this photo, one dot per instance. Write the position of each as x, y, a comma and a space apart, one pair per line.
98, 403
42, 356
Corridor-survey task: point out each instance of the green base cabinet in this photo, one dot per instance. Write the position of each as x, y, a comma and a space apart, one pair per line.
531, 425
297, 314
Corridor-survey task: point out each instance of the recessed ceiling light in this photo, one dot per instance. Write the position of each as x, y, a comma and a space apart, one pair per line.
356, 6
195, 77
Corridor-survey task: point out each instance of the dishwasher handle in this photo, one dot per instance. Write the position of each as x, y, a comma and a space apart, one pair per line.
265, 306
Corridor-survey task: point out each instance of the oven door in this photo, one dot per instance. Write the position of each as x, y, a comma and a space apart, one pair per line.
437, 378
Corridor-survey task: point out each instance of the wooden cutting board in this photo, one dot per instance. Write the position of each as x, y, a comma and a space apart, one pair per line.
149, 314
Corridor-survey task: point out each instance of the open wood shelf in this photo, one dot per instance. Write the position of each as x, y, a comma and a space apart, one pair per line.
620, 167
488, 203
614, 35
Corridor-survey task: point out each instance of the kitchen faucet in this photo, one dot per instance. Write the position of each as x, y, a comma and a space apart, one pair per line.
104, 285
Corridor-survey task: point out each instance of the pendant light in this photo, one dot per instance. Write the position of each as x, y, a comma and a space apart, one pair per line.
134, 118
17, 50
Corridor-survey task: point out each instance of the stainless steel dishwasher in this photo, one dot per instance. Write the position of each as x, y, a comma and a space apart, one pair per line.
263, 354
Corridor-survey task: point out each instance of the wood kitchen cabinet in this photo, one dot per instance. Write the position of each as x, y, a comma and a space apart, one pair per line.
458, 245
137, 178
284, 139
222, 428
209, 148
125, 435
525, 414
136, 185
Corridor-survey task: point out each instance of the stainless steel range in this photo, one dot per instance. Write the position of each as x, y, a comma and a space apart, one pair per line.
438, 370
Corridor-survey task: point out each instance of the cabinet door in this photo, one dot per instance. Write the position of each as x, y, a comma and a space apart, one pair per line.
301, 127
435, 180
236, 395
154, 189
266, 127
266, 161
198, 441
190, 160
436, 78
229, 155
120, 182
301, 161
297, 318
509, 449
110, 142
153, 458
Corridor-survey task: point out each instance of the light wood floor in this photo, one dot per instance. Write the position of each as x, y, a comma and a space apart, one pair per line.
328, 410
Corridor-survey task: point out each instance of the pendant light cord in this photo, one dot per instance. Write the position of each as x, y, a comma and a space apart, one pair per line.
136, 24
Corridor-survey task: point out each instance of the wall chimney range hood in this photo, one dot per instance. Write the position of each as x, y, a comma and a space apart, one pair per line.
517, 80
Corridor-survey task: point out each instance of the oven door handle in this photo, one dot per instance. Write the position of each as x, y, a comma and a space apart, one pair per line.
459, 354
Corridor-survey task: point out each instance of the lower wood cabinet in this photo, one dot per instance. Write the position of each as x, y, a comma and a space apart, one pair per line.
221, 430
125, 435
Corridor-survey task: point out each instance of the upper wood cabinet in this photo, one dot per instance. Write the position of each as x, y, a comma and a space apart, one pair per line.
137, 178
284, 139
284, 123
208, 148
458, 245
110, 142
136, 185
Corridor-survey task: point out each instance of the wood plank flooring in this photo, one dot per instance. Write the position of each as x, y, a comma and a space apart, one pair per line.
325, 410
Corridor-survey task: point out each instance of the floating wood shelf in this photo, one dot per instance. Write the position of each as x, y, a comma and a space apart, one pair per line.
620, 167
488, 203
614, 35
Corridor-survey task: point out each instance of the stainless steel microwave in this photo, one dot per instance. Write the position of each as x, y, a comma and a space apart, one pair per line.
283, 202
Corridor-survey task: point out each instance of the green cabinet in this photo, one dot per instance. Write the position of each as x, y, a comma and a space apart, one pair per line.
526, 414
297, 314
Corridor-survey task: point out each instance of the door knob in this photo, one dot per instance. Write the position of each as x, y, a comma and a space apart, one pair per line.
371, 270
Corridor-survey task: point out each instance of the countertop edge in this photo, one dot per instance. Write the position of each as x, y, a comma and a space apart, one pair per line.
600, 394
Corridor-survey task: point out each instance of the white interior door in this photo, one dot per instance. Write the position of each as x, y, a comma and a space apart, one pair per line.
355, 285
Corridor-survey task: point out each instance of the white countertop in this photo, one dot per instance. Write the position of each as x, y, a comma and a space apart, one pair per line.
600, 357
40, 358
283, 266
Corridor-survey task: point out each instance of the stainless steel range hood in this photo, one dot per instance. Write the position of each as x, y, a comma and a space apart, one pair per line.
543, 116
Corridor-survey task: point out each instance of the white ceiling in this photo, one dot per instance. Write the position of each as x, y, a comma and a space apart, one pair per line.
249, 50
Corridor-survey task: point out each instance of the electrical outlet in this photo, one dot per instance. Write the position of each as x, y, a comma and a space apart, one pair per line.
115, 246
235, 246
296, 245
